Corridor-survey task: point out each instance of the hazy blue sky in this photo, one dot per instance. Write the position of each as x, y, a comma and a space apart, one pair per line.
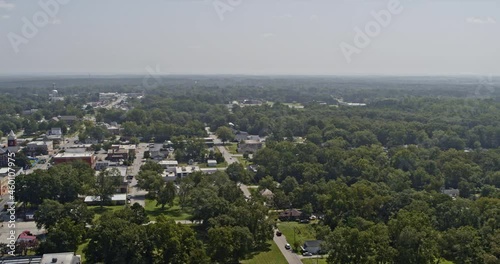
254, 37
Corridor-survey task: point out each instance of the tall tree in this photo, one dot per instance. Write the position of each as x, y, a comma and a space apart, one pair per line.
224, 133
106, 184
166, 195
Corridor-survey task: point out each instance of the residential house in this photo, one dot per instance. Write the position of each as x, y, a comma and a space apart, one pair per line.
453, 193
29, 112
68, 119
290, 215
268, 194
249, 146
55, 131
312, 246
242, 136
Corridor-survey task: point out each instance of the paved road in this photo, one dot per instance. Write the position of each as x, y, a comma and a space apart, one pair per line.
19, 228
245, 190
291, 257
138, 196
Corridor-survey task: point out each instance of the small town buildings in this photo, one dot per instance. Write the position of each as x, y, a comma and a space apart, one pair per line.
169, 165
157, 151
117, 154
8, 151
123, 178
61, 258
118, 199
86, 157
182, 172
35, 148
52, 258
101, 165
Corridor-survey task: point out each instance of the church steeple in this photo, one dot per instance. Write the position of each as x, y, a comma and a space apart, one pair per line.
12, 139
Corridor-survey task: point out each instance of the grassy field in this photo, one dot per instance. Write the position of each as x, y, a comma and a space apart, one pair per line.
175, 212
101, 210
244, 161
314, 260
79, 250
269, 255
303, 232
232, 147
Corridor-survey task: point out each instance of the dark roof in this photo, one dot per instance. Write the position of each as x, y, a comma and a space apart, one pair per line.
313, 243
71, 118
290, 212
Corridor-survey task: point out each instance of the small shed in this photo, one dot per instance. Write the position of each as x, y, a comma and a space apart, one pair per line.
211, 163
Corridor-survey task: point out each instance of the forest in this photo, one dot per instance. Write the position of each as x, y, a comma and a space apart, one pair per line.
377, 174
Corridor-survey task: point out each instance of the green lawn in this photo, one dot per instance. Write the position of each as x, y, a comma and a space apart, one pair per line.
79, 250
303, 232
232, 147
314, 260
244, 161
268, 255
175, 212
101, 210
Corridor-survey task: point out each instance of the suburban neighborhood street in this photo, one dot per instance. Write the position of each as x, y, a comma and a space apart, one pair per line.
291, 257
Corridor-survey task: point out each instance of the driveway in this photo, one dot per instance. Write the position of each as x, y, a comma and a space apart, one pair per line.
291, 257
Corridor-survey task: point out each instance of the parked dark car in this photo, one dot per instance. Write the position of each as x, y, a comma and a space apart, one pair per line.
278, 233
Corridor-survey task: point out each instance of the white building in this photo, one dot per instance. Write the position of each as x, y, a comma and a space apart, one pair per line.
182, 172
169, 165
